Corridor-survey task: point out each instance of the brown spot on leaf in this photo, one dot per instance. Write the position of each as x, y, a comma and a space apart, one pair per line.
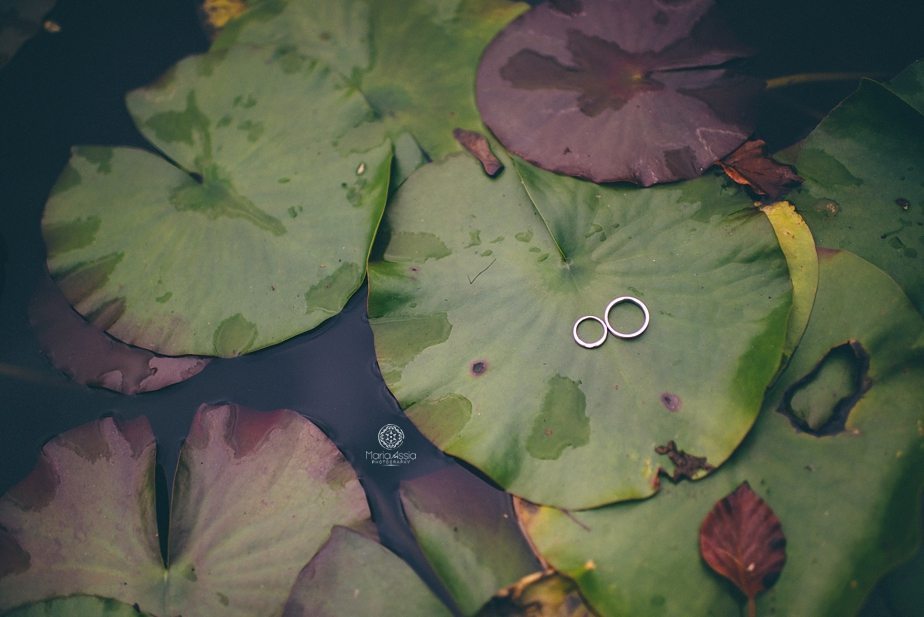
671, 401
479, 367
37, 489
742, 539
685, 465
13, 558
476, 144
749, 166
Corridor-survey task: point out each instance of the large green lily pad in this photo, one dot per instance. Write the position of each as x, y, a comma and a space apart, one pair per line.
255, 496
256, 229
415, 63
355, 575
848, 502
469, 534
863, 168
480, 281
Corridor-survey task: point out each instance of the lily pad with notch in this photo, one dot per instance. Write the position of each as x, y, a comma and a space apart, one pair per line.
255, 496
415, 66
848, 502
255, 229
477, 286
634, 90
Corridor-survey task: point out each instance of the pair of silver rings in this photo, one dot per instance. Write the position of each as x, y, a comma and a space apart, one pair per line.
607, 326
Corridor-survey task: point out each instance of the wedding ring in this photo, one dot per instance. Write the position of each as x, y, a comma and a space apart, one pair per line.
609, 326
582, 342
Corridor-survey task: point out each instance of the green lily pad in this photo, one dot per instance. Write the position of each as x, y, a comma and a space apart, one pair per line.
255, 496
416, 65
255, 230
354, 575
468, 533
863, 167
20, 20
480, 281
847, 502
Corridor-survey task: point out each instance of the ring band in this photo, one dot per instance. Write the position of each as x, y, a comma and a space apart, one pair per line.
609, 326
582, 342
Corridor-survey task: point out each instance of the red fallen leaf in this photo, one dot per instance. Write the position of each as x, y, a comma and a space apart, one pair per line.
478, 146
741, 539
748, 165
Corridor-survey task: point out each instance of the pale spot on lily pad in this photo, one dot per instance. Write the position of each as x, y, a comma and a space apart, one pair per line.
330, 294
562, 422
442, 419
234, 336
415, 246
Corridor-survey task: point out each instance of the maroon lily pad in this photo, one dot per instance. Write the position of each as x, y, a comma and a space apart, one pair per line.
256, 494
614, 90
89, 356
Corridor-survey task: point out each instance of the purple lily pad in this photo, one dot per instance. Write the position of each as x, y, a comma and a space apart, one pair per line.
89, 356
256, 494
614, 90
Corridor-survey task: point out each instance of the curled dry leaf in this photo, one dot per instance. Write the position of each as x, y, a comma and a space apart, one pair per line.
750, 166
478, 146
742, 539
88, 356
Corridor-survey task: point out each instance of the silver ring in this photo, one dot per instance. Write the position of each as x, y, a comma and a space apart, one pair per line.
635, 301
583, 343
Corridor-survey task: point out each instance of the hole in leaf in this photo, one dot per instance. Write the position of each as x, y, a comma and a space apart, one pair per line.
820, 402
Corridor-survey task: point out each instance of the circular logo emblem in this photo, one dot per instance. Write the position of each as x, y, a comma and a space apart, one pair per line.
391, 436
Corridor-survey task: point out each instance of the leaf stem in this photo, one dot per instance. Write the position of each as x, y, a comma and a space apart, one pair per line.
810, 78
752, 607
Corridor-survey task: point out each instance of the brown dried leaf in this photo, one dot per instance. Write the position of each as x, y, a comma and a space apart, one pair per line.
749, 166
742, 539
686, 465
479, 147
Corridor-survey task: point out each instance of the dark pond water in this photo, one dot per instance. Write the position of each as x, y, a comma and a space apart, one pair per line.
67, 88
